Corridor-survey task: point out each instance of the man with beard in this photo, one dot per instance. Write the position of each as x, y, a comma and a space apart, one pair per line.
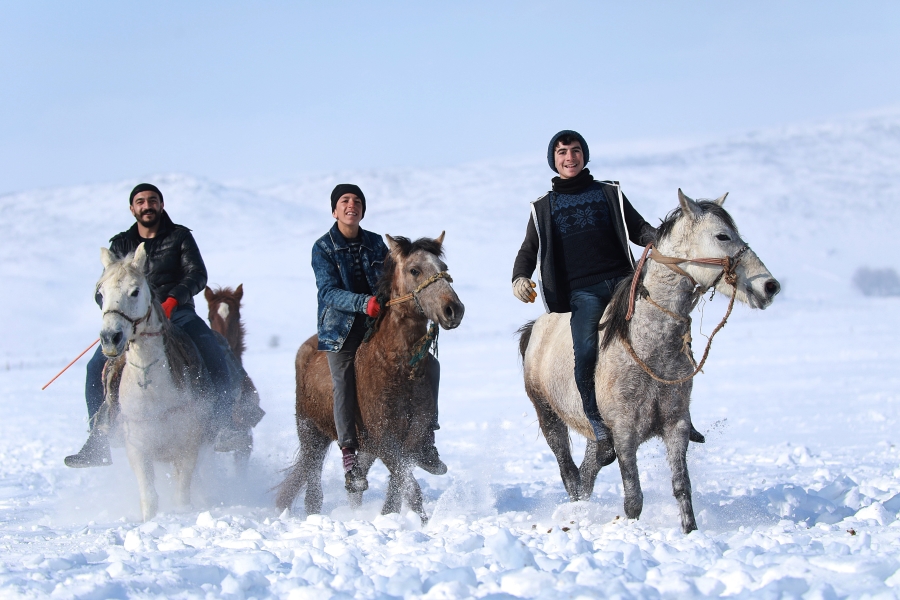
176, 273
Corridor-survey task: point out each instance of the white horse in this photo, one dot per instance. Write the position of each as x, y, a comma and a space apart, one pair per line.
155, 380
645, 364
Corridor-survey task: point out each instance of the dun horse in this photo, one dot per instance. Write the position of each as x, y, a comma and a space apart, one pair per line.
395, 400
162, 392
225, 319
645, 364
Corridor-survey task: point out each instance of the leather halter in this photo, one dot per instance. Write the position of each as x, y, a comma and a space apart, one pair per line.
729, 264
135, 322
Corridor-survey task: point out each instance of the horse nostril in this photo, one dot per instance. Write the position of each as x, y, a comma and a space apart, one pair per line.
772, 287
117, 338
448, 312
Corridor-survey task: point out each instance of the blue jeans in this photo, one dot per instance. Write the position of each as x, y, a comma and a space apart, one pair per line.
588, 305
217, 363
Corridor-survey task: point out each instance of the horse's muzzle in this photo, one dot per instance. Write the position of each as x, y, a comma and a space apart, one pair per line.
763, 297
452, 314
112, 342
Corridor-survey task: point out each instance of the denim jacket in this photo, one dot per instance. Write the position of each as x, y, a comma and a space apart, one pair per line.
333, 266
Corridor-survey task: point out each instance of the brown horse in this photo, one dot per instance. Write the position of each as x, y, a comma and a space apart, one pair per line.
225, 319
396, 405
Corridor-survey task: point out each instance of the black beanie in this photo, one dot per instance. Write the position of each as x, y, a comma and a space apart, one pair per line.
551, 149
144, 187
347, 188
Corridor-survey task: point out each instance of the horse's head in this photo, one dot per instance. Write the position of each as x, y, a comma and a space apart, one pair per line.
224, 306
126, 300
416, 268
703, 229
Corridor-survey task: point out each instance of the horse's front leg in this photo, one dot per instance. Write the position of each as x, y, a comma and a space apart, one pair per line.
185, 465
364, 462
142, 466
626, 449
676, 439
596, 456
413, 494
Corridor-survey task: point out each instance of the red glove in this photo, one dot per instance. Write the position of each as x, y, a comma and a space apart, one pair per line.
373, 308
169, 305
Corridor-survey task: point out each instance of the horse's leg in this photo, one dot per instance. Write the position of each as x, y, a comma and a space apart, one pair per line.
413, 493
626, 449
143, 470
184, 472
364, 462
557, 435
676, 438
393, 496
306, 470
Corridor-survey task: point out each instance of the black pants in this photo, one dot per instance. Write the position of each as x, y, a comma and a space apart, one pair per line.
588, 305
343, 378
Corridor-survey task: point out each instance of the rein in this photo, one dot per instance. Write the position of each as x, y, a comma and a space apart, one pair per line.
729, 272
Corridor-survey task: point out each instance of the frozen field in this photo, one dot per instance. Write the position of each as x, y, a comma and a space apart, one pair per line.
796, 490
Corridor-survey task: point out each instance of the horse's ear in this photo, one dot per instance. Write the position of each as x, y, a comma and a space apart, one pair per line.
721, 199
140, 258
106, 257
208, 294
392, 244
688, 206
239, 292
440, 239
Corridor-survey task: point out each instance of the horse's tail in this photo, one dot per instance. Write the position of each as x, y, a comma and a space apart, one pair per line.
524, 337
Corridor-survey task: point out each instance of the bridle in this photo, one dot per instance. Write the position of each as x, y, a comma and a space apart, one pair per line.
135, 322
729, 266
414, 295
429, 340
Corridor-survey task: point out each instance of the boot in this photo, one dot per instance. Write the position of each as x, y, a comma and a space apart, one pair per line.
94, 453
354, 480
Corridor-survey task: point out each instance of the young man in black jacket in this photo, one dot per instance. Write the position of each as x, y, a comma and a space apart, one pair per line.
176, 273
578, 236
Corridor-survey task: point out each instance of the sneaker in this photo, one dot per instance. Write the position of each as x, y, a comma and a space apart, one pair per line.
431, 461
94, 453
228, 440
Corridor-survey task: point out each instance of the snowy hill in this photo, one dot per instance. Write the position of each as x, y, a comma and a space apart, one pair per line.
799, 402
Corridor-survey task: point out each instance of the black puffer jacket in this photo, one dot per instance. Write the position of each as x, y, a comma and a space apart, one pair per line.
174, 265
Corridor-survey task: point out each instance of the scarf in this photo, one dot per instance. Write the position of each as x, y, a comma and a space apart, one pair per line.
573, 185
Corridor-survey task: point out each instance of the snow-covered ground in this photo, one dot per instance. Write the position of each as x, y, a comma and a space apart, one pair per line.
795, 489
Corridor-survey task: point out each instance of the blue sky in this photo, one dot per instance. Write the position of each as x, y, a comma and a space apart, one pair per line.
258, 92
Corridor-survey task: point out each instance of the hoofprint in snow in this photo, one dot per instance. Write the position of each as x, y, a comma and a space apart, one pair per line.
795, 490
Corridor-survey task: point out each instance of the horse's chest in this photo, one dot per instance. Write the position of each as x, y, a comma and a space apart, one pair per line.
148, 391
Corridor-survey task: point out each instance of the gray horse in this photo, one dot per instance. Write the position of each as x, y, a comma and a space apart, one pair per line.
645, 364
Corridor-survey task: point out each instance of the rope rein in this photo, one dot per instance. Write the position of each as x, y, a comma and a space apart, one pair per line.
729, 272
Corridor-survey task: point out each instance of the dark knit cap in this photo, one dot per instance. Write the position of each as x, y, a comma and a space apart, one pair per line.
347, 188
144, 187
552, 147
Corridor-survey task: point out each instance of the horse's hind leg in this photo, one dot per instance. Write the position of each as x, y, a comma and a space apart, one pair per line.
596, 456
626, 449
143, 470
557, 435
307, 470
364, 462
413, 494
676, 439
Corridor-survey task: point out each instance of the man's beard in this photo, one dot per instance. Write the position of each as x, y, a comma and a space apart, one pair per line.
150, 224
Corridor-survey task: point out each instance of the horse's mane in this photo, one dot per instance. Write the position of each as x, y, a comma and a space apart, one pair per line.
615, 326
386, 281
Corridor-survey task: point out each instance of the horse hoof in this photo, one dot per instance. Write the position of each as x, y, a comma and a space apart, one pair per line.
696, 437
355, 484
606, 454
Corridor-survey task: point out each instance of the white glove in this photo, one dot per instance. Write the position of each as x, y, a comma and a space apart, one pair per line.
523, 289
